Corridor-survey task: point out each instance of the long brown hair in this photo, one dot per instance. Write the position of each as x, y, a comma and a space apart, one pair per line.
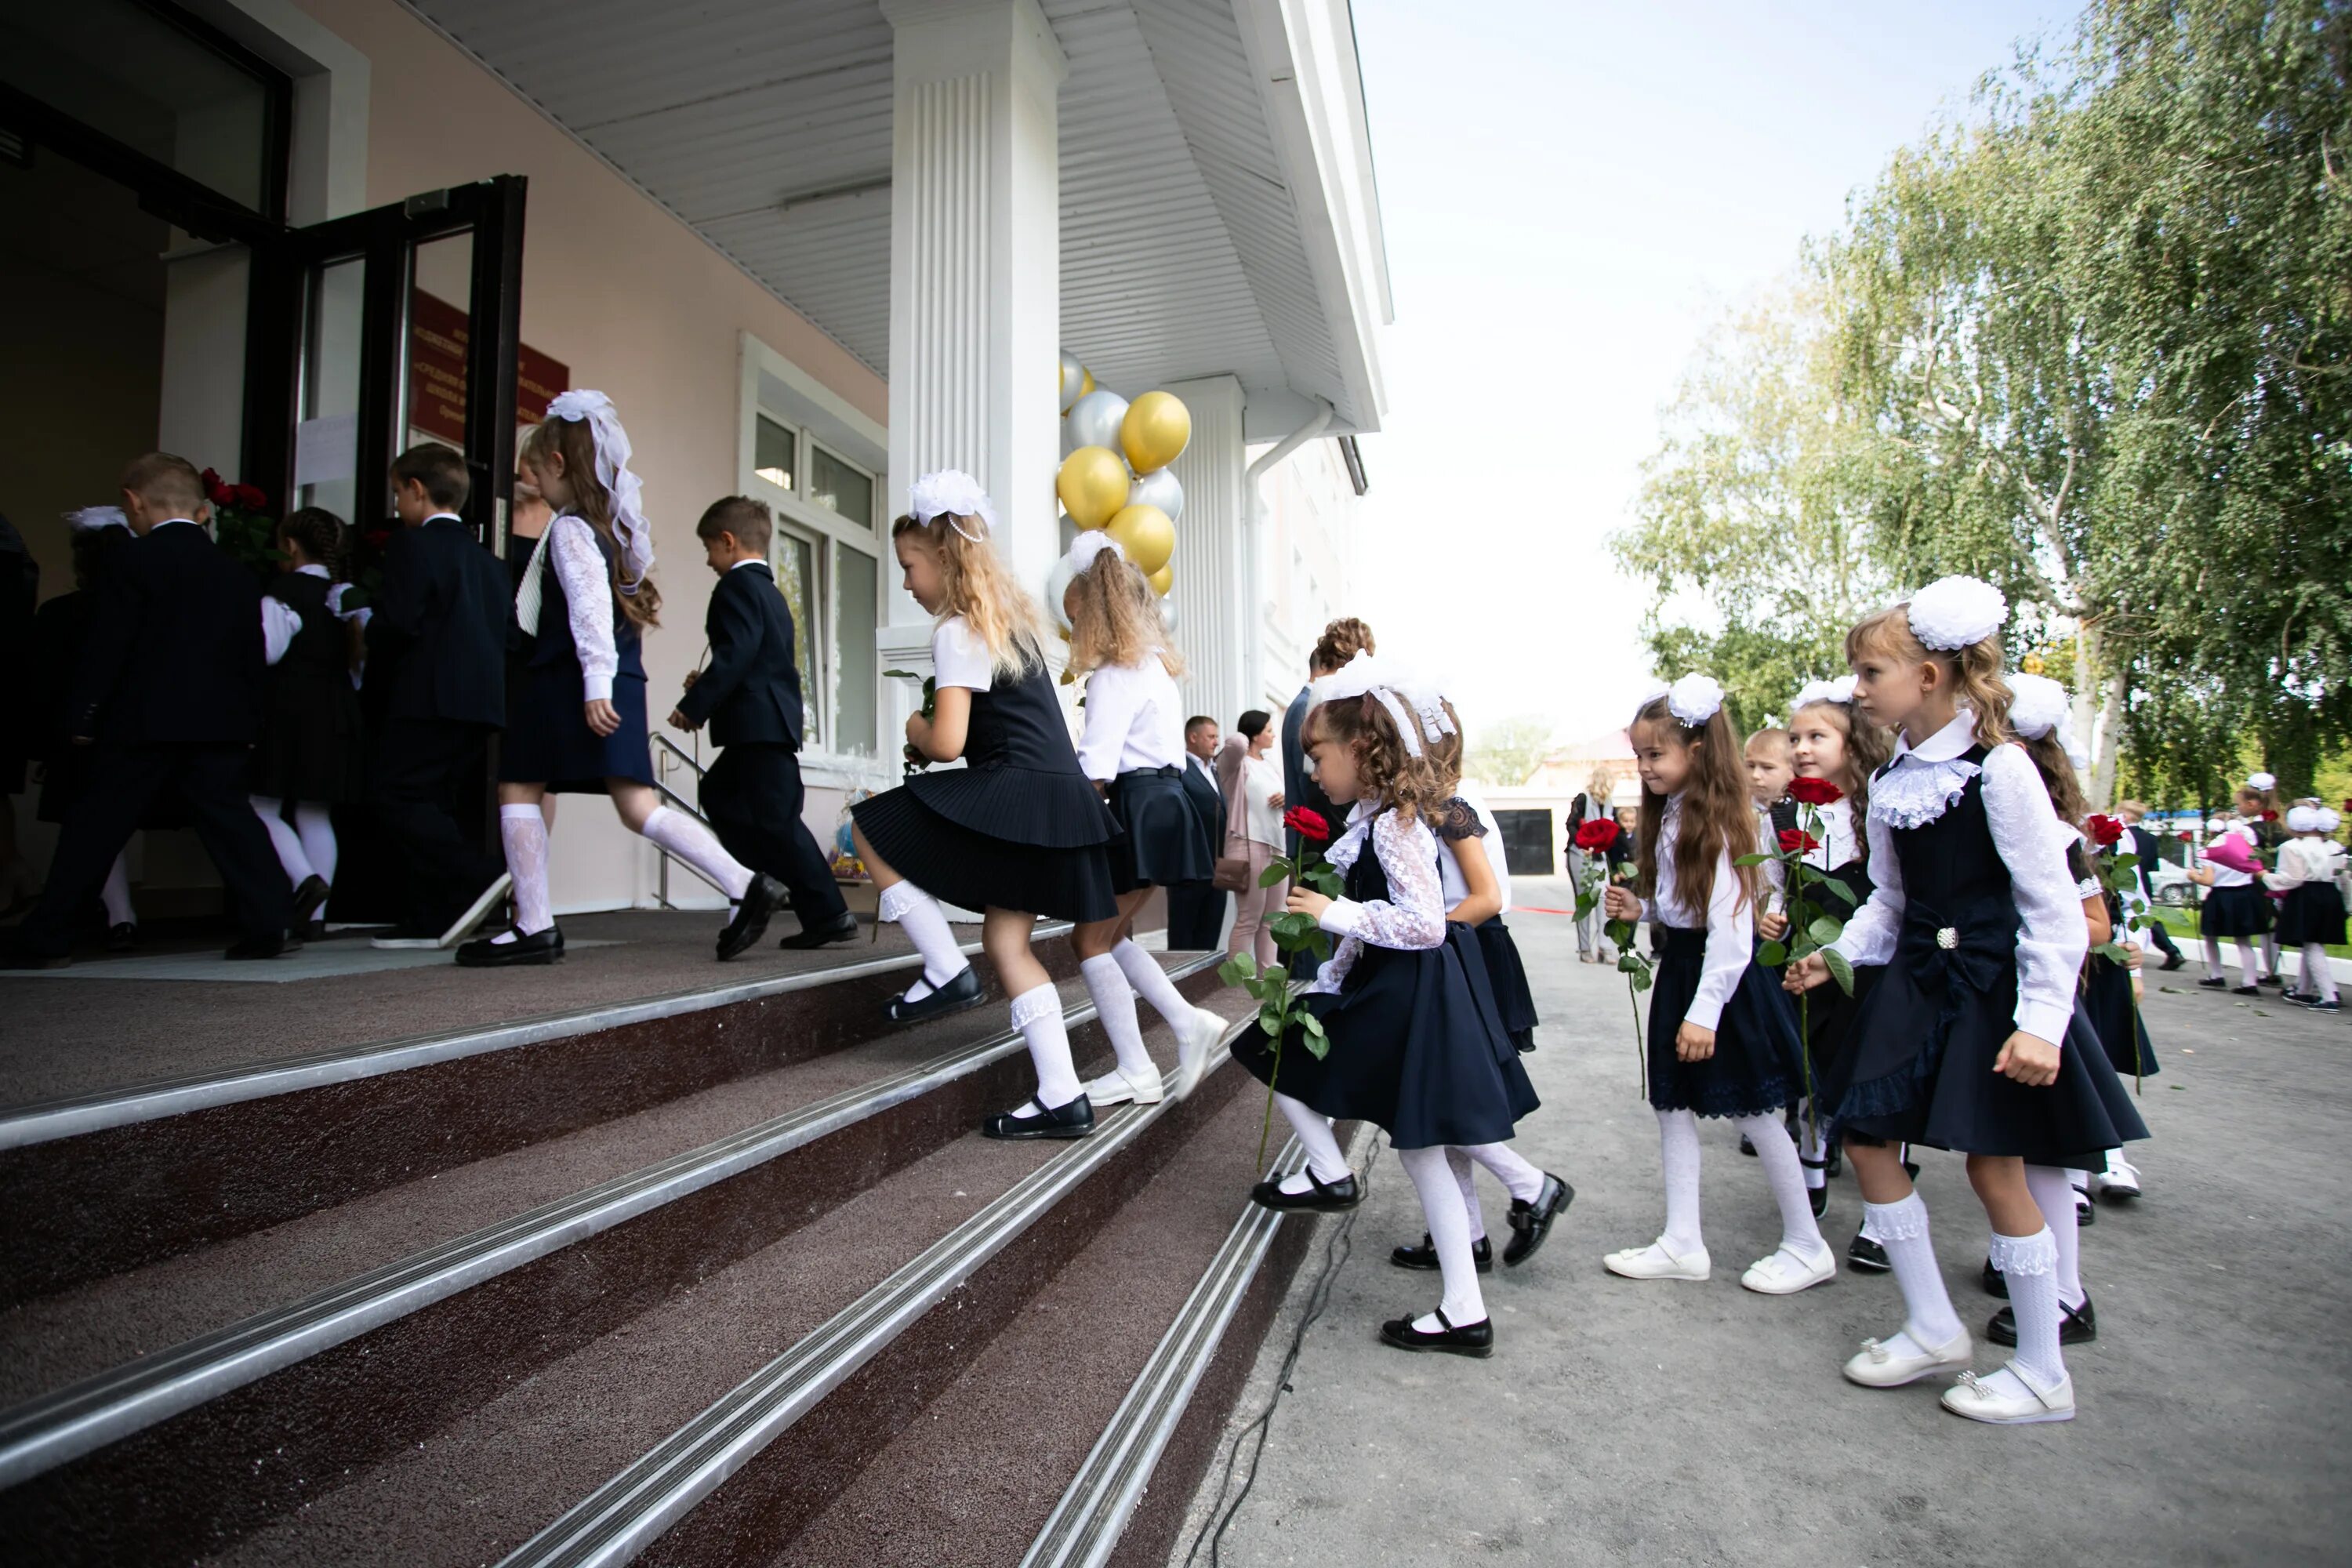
1974, 670
1385, 772
1115, 618
1718, 815
2058, 776
323, 537
576, 443
979, 586
1867, 747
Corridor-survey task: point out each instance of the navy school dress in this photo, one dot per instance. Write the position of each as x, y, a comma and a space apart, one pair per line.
1417, 1047
1919, 1069
2311, 911
1828, 1013
2241, 910
1159, 839
1507, 974
311, 748
548, 741
1019, 826
1756, 1068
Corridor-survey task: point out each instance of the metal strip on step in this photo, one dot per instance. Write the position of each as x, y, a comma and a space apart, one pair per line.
45, 1122
1085, 1525
629, 1512
49, 1431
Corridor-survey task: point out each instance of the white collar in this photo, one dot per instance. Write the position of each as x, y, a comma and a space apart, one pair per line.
1943, 745
748, 560
168, 522
437, 516
313, 570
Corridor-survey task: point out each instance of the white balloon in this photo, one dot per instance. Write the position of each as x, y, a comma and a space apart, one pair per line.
1093, 419
1073, 380
1159, 488
1167, 612
1058, 585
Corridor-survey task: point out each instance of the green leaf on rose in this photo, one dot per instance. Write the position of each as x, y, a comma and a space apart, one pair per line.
1840, 970
1756, 860
1277, 872
1772, 955
1825, 931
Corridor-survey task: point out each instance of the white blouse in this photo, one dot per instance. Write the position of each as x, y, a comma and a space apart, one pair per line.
2230, 875
1414, 914
1261, 781
1134, 720
2032, 842
961, 659
2302, 861
1729, 920
587, 602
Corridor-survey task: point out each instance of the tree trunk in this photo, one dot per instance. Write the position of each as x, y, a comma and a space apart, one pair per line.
2107, 742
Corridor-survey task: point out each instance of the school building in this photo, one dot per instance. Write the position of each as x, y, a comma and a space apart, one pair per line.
811, 249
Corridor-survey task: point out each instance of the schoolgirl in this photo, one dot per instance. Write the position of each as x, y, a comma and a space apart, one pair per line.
61, 644
1722, 1038
1133, 751
2258, 809
1976, 917
1416, 1045
2234, 904
1017, 833
311, 752
2310, 873
580, 726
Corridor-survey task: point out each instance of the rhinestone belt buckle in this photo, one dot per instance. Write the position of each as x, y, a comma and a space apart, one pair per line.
1948, 937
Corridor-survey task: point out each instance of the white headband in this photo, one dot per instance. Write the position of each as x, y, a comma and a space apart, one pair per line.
1953, 613
628, 492
955, 495
1813, 692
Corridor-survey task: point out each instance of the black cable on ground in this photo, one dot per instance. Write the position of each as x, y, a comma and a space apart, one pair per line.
1335, 1252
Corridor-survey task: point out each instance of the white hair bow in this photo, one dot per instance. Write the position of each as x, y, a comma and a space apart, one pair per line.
630, 526
1695, 699
953, 494
2037, 705
2264, 782
1366, 675
1813, 692
1952, 613
1089, 544
90, 518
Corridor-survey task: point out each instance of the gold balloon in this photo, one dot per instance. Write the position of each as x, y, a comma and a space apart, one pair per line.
1086, 382
1163, 579
1147, 536
1155, 431
1092, 485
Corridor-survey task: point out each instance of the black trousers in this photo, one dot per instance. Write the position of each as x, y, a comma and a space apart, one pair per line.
125, 783
1196, 916
426, 775
2161, 937
752, 795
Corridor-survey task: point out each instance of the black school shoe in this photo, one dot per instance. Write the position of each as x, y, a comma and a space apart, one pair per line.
2245, 990
1322, 1197
957, 995
2077, 1326
1745, 1147
2215, 983
1472, 1339
539, 947
1819, 1198
762, 900
2277, 980
1073, 1119
1423, 1256
309, 897
123, 938
1867, 1256
842, 929
2176, 961
1530, 1222
254, 947
1996, 1283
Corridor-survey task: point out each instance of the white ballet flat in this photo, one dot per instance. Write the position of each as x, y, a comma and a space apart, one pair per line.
1115, 1087
1784, 1273
1657, 1261
1194, 1042
1982, 1399
1878, 1365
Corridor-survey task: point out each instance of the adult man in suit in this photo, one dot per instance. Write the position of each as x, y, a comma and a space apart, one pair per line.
750, 696
170, 696
1196, 910
2144, 846
436, 672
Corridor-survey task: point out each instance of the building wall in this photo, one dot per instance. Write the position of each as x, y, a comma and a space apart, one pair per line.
1306, 551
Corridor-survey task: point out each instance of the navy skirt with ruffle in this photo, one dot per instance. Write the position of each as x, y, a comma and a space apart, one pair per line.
1160, 841
1756, 1068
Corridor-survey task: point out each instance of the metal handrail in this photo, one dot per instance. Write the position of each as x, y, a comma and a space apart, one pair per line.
675, 750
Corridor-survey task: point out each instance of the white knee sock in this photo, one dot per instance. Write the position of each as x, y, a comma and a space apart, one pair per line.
2317, 980
315, 829
1525, 1181
919, 916
1449, 1234
2212, 958
522, 831
691, 842
2053, 1194
1465, 1177
1678, 1155
1314, 1133
1037, 1014
1115, 1005
2250, 963
1902, 1229
283, 839
116, 895
1801, 1234
1151, 983
2030, 1264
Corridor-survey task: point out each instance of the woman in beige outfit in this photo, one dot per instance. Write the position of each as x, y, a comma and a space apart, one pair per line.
1252, 782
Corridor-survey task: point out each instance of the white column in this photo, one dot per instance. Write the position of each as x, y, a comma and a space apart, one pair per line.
1213, 608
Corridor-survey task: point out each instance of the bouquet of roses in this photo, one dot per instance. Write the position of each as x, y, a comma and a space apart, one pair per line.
2120, 872
1816, 905
1596, 838
242, 525
1292, 932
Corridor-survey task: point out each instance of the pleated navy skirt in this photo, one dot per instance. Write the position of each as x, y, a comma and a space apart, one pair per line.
1827, 1016
548, 741
1416, 1047
2123, 1034
1756, 1066
1000, 837
1507, 974
1159, 839
2312, 912
2235, 911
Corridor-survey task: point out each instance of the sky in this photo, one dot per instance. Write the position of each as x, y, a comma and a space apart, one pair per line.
1572, 193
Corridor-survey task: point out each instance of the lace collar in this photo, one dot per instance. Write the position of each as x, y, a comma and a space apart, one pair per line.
1921, 783
1349, 847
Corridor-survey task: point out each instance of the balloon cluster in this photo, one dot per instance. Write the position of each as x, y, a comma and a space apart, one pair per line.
1116, 477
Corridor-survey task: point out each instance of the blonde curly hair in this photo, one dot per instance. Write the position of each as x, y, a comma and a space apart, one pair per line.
1115, 618
980, 588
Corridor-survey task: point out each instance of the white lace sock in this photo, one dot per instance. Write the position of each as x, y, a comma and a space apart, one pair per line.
1037, 1014
1465, 1177
283, 839
316, 828
1801, 1234
522, 833
695, 845
925, 924
1449, 1234
2030, 1264
1902, 1228
1525, 1181
1314, 1133
2053, 1194
1678, 1154
2318, 979
2213, 957
1151, 983
1115, 1005
116, 895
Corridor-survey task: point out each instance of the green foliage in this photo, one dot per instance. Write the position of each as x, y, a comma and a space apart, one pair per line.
1507, 753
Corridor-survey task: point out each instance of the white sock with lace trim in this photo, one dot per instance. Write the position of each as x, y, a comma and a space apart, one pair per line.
2030, 1264
925, 924
1930, 1322
1037, 1014
522, 833
695, 845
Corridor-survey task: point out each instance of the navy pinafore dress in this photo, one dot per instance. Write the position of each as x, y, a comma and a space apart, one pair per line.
548, 741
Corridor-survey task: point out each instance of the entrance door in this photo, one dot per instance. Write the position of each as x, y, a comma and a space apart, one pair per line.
1527, 843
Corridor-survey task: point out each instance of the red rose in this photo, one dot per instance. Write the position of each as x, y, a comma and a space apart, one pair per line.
1596, 836
1814, 792
1308, 825
249, 497
2185, 835
2270, 816
1794, 841
2104, 830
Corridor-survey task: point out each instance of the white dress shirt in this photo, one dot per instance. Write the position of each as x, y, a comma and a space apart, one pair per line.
1135, 720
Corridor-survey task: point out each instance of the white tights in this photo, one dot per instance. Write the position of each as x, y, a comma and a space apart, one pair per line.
306, 850
2250, 964
1678, 1153
1523, 1181
116, 896
1449, 1234
2317, 979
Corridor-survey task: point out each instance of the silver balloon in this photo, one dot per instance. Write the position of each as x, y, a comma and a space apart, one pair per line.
1159, 488
1057, 585
1073, 380
1167, 612
1093, 419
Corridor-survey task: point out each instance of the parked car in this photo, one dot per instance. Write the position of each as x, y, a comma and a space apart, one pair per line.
2172, 887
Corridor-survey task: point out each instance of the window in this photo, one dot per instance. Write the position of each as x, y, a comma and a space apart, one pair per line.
774, 457
857, 600
838, 488
796, 579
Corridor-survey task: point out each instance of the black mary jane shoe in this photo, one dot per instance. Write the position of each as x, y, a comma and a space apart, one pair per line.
1746, 1146
2176, 961
825, 935
1820, 1199
1471, 1339
761, 902
2213, 983
957, 995
258, 947
2077, 1326
123, 938
309, 897
1422, 1256
2245, 990
1996, 1283
1325, 1197
539, 947
1530, 1222
1074, 1119
1867, 1256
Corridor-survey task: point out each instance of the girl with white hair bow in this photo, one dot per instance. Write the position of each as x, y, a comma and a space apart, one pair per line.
2311, 874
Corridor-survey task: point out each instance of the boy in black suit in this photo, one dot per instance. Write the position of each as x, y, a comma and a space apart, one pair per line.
1196, 910
750, 696
170, 699
436, 672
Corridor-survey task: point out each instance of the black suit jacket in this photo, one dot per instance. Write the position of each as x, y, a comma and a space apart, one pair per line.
175, 653
750, 694
2144, 846
1208, 803
438, 641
